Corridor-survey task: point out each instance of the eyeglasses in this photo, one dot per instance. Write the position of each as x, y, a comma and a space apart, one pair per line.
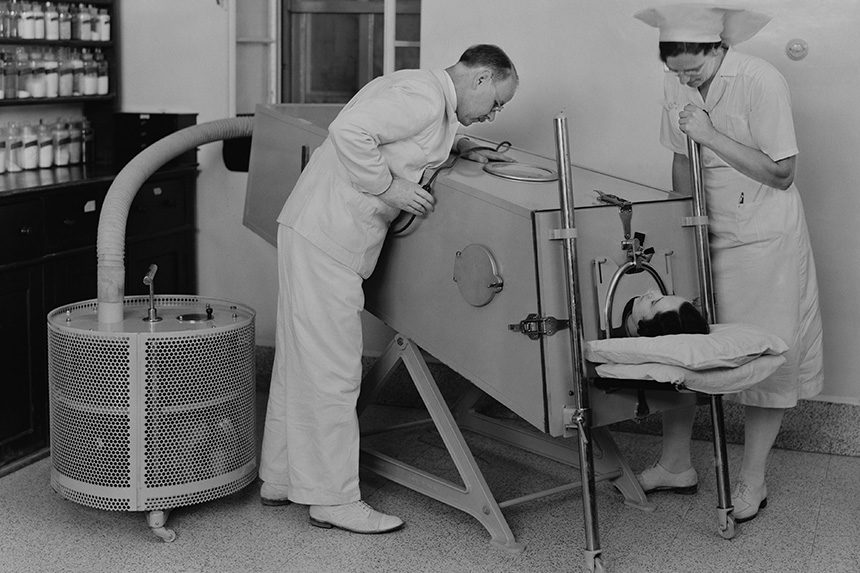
497, 106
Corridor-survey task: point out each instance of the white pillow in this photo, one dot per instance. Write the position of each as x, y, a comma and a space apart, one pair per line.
727, 345
711, 381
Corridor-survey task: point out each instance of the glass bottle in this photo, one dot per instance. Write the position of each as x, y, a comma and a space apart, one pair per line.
12, 20
13, 148
38, 22
4, 26
2, 150
52, 74
65, 22
10, 76
77, 73
26, 22
75, 143
104, 25
88, 136
52, 22
61, 143
103, 69
91, 74
23, 66
37, 84
46, 146
29, 147
66, 76
82, 27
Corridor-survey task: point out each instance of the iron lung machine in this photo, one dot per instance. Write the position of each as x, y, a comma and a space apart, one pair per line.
480, 285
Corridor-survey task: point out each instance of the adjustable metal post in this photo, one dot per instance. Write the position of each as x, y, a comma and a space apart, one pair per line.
726, 521
580, 413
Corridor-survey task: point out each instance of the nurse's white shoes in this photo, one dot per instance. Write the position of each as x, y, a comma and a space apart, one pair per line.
747, 501
271, 494
658, 478
357, 517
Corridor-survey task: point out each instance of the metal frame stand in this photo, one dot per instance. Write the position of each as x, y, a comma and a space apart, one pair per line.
699, 220
474, 496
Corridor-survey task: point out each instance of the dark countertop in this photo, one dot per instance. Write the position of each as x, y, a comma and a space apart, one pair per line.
36, 180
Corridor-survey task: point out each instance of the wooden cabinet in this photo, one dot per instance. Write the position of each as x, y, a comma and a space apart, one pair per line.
48, 259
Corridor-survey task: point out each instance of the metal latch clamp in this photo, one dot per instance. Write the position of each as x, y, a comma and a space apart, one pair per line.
535, 326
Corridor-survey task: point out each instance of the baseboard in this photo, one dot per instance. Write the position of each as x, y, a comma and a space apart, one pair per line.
811, 426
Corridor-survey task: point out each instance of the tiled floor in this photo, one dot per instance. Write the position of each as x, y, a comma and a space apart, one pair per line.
812, 523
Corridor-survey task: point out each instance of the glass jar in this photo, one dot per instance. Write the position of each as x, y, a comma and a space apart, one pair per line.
66, 84
2, 150
52, 74
52, 22
23, 66
13, 148
75, 143
36, 85
26, 22
38, 22
29, 147
61, 143
46, 146
91, 74
103, 70
10, 76
65, 22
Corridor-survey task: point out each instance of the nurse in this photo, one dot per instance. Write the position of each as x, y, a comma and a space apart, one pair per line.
737, 107
330, 233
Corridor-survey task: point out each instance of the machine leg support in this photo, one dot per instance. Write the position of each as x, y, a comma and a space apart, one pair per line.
726, 522
157, 520
594, 561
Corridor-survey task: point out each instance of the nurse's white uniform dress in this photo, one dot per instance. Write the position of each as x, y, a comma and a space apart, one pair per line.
331, 232
762, 262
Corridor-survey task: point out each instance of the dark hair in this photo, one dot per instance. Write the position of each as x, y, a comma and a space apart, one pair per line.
686, 320
492, 57
671, 49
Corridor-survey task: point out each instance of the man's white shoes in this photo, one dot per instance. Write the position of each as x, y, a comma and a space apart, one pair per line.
271, 494
357, 517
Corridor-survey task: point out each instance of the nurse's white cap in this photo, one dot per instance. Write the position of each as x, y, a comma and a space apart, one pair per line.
703, 23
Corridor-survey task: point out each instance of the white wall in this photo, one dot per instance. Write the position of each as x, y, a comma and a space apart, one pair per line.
592, 59
175, 58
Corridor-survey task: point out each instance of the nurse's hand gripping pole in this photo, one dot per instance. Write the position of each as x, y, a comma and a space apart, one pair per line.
578, 415
699, 220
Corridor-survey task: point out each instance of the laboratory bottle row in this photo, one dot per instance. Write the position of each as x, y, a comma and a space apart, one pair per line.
50, 21
29, 72
44, 145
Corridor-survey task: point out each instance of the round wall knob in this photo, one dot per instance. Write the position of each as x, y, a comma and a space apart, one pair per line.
796, 49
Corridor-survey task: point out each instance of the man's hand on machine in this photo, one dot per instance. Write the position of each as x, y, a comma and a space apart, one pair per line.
408, 196
473, 151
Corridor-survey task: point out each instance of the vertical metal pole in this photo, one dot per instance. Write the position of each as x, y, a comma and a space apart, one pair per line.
706, 289
581, 414
389, 34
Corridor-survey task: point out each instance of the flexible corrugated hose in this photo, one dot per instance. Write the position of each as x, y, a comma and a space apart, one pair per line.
110, 243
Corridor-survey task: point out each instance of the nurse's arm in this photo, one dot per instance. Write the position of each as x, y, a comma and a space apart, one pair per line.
753, 163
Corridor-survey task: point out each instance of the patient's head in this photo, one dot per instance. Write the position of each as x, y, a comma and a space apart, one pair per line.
656, 314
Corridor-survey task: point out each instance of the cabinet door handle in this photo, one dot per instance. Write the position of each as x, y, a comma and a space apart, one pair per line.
26, 230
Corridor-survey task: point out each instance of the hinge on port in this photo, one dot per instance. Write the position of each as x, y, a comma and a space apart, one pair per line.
535, 326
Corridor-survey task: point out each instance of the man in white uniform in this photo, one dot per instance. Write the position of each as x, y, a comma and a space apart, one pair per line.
738, 108
331, 231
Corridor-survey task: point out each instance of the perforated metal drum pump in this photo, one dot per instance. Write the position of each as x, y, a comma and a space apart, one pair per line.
152, 398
